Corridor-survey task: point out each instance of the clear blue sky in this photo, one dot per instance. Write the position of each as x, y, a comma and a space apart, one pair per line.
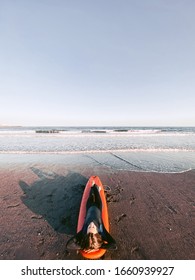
105, 62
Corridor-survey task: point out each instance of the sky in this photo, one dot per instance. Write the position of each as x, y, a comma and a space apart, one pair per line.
99, 63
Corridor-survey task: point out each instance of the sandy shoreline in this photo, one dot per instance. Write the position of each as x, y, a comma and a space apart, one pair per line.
152, 215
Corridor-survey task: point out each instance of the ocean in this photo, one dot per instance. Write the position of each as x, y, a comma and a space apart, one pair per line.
157, 149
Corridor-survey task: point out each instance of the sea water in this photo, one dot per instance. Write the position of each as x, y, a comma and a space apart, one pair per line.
161, 149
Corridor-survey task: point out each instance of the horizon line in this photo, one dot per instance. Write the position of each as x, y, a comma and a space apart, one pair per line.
42, 125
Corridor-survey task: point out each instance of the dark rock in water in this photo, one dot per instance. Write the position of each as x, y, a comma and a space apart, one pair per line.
99, 131
86, 131
47, 131
93, 131
121, 130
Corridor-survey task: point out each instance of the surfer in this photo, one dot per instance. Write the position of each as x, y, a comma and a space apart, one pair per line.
93, 234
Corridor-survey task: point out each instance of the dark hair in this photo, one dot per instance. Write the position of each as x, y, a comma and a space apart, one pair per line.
91, 242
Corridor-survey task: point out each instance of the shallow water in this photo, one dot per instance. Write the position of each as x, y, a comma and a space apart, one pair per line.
166, 162
136, 149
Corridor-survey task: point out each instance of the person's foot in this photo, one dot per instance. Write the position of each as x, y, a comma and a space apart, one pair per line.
99, 188
96, 186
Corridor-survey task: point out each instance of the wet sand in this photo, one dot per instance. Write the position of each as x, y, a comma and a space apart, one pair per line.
152, 215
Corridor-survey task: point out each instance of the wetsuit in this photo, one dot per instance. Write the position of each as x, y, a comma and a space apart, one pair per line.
93, 209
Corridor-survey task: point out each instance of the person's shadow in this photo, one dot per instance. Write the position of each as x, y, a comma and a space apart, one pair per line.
56, 198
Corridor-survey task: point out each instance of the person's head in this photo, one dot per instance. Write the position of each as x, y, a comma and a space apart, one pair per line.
92, 228
91, 242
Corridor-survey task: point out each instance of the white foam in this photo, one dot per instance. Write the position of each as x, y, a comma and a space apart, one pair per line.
149, 150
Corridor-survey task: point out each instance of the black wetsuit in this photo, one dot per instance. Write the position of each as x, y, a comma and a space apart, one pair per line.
94, 208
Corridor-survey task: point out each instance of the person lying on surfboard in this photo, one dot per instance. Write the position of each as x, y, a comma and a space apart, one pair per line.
93, 235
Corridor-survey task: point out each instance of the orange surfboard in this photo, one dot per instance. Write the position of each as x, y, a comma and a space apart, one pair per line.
82, 214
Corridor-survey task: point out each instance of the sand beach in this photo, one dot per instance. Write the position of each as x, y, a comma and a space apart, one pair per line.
152, 215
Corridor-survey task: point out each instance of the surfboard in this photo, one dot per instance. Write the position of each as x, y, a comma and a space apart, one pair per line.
82, 214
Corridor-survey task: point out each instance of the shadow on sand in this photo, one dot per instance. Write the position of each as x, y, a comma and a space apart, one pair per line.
56, 198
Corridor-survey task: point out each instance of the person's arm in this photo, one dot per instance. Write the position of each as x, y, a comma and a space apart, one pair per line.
74, 243
109, 242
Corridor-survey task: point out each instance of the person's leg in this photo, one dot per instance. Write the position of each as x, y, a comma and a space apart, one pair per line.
98, 201
91, 199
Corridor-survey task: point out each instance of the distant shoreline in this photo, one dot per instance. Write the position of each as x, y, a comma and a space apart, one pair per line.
101, 126
10, 126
